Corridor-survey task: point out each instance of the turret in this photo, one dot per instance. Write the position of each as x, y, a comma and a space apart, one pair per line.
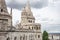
5, 17
11, 16
3, 7
27, 16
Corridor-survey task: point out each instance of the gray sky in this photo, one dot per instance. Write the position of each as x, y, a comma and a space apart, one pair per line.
18, 4
46, 12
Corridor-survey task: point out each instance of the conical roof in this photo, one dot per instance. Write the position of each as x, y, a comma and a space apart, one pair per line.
3, 6
27, 7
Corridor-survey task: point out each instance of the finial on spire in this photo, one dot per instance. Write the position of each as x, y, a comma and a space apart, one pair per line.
27, 7
11, 12
3, 6
11, 16
28, 3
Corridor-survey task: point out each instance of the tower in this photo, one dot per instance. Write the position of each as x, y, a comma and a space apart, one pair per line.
27, 16
28, 23
5, 17
3, 6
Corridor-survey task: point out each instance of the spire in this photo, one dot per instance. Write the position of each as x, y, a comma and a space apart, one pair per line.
28, 4
11, 12
28, 9
3, 6
11, 16
27, 16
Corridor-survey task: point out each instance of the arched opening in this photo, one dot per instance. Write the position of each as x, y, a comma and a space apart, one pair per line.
15, 38
29, 27
32, 28
38, 36
23, 38
39, 27
1, 10
30, 21
20, 37
8, 38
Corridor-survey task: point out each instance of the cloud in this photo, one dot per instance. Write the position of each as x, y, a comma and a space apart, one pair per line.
48, 19
21, 3
53, 28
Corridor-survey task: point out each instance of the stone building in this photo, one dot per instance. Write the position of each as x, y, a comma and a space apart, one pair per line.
5, 17
54, 36
27, 29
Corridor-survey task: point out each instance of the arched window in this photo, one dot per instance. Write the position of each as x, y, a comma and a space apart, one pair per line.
39, 27
8, 38
1, 10
23, 38
30, 21
32, 28
38, 36
15, 38
29, 27
20, 37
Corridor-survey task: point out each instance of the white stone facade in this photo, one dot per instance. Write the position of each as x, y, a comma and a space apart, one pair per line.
26, 30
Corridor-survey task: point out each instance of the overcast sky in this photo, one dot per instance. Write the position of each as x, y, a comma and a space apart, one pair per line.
46, 12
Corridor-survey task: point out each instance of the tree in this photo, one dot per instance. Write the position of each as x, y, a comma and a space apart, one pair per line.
45, 36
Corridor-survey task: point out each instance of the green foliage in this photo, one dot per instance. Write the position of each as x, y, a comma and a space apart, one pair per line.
45, 36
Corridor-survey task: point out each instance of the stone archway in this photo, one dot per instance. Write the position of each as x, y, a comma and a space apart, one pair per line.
8, 38
15, 38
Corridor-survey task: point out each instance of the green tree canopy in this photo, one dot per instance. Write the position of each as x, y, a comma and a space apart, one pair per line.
45, 36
